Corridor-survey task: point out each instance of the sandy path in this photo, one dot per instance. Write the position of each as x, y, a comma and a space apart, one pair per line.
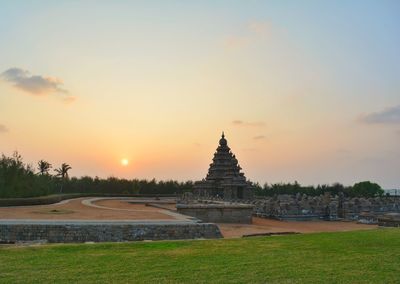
261, 225
121, 204
75, 210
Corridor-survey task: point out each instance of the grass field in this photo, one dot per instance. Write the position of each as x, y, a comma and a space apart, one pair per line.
371, 256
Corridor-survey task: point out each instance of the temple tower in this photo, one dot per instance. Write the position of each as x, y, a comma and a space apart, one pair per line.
224, 178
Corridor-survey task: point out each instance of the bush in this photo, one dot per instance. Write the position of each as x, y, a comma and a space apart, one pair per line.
367, 189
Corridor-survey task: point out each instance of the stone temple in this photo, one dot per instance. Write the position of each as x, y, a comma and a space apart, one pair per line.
224, 179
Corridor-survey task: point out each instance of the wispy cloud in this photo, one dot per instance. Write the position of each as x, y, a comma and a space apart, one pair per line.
197, 144
3, 128
263, 28
259, 137
236, 42
248, 123
390, 115
69, 99
253, 31
33, 84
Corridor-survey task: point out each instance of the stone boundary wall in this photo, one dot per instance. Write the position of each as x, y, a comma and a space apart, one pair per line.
324, 207
78, 233
218, 213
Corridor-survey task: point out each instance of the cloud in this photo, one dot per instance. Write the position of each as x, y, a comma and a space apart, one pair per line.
253, 31
247, 123
260, 27
236, 42
390, 115
197, 144
3, 128
69, 99
259, 137
33, 84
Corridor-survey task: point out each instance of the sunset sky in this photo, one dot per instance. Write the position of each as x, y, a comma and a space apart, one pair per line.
304, 90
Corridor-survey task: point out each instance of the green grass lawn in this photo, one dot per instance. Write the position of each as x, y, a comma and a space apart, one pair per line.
346, 257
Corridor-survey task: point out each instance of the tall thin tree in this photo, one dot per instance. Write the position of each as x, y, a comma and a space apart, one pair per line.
62, 173
44, 167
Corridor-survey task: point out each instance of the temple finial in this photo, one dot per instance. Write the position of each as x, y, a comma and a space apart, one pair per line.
222, 141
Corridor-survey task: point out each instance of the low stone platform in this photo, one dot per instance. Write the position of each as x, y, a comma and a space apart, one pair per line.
389, 220
220, 212
15, 231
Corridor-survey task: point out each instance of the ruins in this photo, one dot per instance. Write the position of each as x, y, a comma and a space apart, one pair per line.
326, 207
224, 179
225, 196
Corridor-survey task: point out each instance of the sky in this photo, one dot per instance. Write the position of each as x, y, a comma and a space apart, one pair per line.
305, 91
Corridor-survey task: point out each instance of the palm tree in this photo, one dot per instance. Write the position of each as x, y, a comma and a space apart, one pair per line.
62, 173
44, 167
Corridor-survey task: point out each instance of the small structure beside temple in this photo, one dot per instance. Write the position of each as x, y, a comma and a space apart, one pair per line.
224, 179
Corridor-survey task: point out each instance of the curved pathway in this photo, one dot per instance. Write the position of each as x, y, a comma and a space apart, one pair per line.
90, 202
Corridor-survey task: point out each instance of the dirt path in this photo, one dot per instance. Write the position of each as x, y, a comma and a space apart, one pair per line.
262, 225
75, 210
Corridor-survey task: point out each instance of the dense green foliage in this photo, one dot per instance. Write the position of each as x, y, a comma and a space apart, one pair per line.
18, 179
362, 189
371, 256
124, 186
368, 189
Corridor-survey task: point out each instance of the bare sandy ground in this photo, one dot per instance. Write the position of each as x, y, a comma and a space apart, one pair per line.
75, 210
171, 207
261, 225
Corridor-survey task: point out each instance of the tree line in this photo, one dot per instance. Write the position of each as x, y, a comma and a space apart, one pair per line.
360, 189
18, 179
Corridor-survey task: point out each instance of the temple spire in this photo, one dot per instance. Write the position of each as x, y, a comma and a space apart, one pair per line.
223, 141
224, 178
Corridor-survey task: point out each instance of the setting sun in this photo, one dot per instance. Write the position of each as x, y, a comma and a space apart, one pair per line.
124, 162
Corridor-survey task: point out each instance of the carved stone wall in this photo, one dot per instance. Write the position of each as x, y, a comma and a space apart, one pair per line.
323, 206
